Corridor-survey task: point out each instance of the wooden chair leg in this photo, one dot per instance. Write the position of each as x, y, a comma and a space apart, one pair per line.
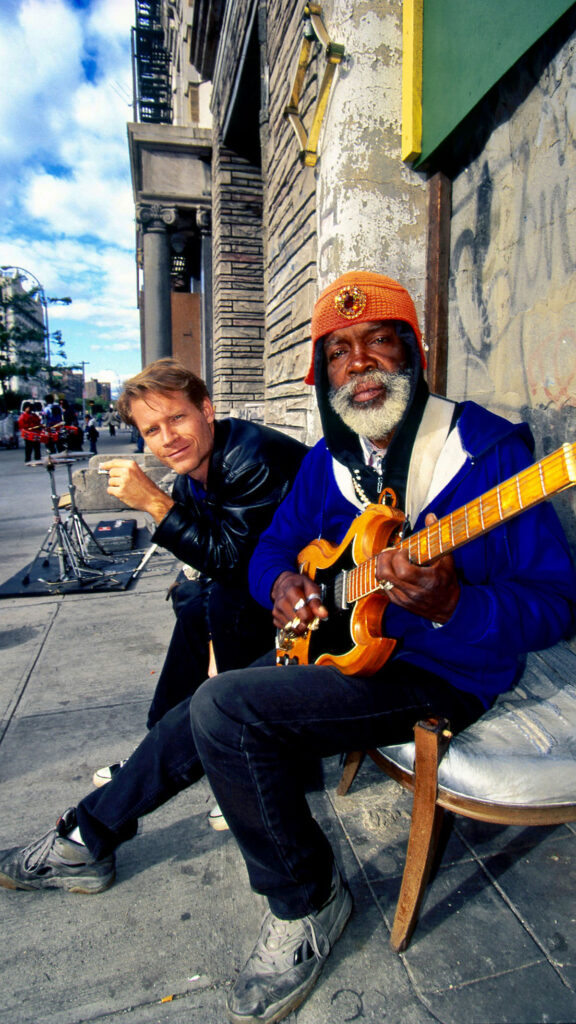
432, 739
351, 768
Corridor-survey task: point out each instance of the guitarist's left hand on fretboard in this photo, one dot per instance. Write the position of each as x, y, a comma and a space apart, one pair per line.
431, 591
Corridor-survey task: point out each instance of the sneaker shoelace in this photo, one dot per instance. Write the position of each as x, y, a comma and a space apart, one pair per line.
284, 941
38, 851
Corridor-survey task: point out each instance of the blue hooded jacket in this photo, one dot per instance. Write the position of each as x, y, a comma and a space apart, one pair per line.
518, 584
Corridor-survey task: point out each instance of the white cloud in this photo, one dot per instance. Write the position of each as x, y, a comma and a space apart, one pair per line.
85, 205
66, 204
37, 83
112, 19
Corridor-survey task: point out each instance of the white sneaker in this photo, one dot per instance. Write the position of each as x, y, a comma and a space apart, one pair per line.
103, 775
287, 960
217, 821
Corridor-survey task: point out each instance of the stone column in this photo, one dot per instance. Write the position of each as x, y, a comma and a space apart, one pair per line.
371, 207
204, 222
155, 220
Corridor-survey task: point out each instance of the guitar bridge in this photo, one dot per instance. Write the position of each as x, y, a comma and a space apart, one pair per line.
287, 637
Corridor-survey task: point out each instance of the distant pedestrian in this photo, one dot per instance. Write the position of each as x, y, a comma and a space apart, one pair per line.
53, 420
29, 425
72, 430
138, 440
92, 433
110, 420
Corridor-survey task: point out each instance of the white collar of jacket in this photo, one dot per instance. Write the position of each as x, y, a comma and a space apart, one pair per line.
437, 456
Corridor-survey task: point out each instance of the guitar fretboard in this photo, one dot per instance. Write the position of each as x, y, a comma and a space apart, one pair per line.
530, 487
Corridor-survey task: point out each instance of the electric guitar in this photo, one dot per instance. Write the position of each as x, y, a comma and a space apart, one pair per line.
350, 639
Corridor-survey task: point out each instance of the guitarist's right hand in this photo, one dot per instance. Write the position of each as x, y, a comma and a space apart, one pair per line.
296, 596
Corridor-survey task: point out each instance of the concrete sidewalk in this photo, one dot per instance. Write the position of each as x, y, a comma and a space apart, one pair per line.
497, 939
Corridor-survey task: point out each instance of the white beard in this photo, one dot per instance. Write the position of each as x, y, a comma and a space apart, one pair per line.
376, 419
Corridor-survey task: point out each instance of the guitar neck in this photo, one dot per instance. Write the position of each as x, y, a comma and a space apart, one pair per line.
533, 485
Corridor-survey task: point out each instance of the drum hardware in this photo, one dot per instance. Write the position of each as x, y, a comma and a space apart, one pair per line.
80, 532
67, 539
144, 561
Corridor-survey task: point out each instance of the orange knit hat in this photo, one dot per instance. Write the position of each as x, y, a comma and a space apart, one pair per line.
359, 297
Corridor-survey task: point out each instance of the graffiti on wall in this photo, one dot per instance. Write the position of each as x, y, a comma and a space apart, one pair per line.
513, 261
513, 256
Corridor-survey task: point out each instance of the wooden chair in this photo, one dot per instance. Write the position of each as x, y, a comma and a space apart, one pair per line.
515, 766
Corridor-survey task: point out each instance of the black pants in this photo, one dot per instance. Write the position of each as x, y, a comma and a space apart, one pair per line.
250, 730
240, 630
31, 451
166, 760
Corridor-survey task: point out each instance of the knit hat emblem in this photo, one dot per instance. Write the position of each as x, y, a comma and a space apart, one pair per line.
361, 297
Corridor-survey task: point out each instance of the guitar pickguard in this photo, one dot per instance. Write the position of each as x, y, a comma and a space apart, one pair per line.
333, 634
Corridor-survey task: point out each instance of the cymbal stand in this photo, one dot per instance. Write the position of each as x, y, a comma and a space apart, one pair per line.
76, 526
72, 567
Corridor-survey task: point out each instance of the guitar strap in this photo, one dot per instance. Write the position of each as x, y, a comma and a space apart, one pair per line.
432, 434
431, 437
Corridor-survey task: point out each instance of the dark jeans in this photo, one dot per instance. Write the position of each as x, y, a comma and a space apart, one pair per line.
240, 629
164, 763
166, 760
31, 451
250, 729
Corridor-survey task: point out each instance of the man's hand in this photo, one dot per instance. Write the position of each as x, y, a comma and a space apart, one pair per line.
130, 484
431, 591
296, 597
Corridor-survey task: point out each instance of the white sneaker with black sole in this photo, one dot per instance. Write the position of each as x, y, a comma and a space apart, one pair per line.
216, 820
103, 775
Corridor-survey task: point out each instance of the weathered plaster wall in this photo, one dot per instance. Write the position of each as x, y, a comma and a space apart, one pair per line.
371, 207
360, 207
513, 257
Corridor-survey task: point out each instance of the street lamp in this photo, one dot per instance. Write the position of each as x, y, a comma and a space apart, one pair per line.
44, 299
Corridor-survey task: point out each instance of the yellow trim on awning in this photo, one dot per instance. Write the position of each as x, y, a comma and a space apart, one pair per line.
412, 46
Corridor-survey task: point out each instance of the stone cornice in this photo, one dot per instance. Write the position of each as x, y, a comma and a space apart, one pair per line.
154, 216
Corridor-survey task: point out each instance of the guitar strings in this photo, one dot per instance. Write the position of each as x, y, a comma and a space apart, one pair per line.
361, 581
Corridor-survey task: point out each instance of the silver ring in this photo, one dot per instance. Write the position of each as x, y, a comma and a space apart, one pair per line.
386, 585
299, 604
313, 597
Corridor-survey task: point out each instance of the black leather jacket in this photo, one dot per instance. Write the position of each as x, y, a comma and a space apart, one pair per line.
251, 471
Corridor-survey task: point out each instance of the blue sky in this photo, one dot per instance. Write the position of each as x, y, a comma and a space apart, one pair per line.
66, 207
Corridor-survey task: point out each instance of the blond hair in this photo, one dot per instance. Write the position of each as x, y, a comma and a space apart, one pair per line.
162, 376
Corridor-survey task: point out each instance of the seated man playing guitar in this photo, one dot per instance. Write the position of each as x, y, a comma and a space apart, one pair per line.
384, 617
374, 637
